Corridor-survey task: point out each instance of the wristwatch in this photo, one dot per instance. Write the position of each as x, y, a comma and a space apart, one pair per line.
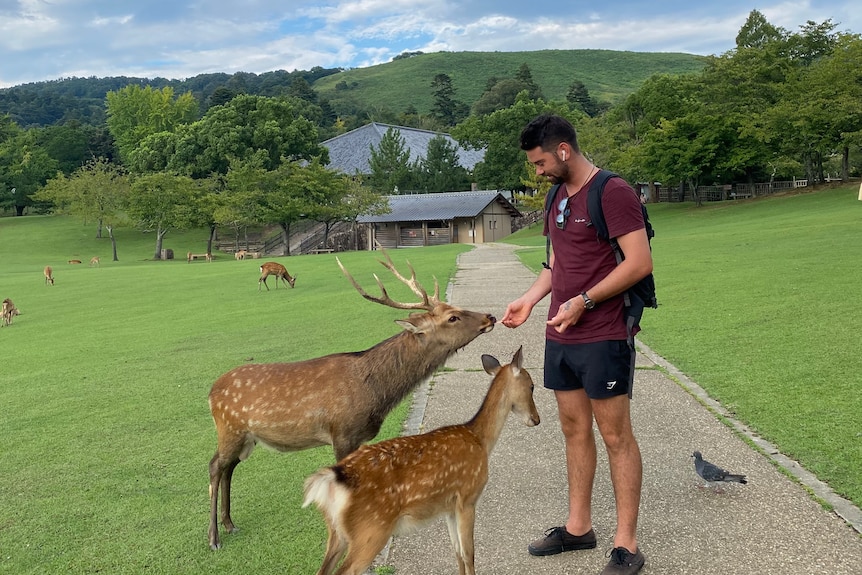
588, 303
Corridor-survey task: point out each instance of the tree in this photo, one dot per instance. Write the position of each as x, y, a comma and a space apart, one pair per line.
241, 202
440, 170
525, 77
301, 89
221, 96
135, 113
25, 166
687, 149
446, 109
281, 129
757, 32
361, 200
502, 94
283, 202
532, 181
498, 133
97, 192
579, 97
325, 190
161, 202
390, 164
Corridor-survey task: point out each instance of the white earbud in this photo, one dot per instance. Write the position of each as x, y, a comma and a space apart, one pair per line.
564, 156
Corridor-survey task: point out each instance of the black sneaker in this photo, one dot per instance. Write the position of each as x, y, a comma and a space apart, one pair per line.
624, 562
557, 540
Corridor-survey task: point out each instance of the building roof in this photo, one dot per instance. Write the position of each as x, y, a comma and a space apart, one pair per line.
351, 152
440, 206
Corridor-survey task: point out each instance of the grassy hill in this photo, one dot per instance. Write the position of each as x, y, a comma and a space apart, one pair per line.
609, 75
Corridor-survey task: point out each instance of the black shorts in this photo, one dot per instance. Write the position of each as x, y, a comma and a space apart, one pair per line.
603, 369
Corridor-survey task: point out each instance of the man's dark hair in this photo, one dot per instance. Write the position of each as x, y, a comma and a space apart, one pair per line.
548, 131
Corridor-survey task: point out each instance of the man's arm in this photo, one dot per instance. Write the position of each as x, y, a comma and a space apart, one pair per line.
519, 310
636, 265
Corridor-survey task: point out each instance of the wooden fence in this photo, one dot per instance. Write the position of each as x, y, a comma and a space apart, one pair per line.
728, 192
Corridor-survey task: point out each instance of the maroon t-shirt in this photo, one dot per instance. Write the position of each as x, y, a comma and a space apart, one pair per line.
581, 259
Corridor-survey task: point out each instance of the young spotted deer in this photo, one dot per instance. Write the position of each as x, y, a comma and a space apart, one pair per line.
9, 311
398, 484
277, 270
339, 399
49, 275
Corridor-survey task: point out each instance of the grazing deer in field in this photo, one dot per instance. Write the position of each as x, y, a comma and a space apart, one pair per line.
240, 255
399, 484
277, 270
49, 277
95, 261
8, 311
339, 399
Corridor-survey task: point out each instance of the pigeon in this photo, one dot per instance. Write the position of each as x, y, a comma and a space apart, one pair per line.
712, 474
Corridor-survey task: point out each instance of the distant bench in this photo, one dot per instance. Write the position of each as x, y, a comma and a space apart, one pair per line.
322, 251
190, 256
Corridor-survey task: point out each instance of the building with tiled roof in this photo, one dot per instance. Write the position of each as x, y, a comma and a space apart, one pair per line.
350, 153
442, 218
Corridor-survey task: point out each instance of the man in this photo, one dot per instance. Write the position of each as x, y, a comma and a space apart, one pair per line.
589, 363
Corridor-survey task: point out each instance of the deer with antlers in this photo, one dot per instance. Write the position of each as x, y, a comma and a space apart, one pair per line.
401, 483
339, 399
277, 270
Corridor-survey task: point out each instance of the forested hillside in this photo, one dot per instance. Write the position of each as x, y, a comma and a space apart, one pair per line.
394, 87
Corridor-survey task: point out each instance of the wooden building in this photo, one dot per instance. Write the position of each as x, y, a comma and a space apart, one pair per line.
443, 218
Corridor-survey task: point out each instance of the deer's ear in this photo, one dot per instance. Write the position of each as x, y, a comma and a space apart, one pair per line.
490, 364
408, 325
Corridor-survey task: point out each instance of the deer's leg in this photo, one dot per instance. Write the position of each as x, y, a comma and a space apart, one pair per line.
215, 481
345, 445
465, 519
336, 545
369, 538
227, 475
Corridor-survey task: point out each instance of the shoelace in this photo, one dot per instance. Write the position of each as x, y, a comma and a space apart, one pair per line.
619, 555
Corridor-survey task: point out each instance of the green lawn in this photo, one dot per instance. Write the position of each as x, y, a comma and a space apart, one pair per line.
107, 434
103, 397
759, 304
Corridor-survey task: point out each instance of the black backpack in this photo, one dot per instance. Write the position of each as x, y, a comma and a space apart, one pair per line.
642, 294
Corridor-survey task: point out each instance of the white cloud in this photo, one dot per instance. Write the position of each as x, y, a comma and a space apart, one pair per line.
41, 40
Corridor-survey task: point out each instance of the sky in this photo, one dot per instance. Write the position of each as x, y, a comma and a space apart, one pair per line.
51, 39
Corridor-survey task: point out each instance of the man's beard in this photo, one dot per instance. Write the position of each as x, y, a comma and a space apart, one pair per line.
562, 176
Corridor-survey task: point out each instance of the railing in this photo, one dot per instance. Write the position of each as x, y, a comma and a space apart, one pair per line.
729, 192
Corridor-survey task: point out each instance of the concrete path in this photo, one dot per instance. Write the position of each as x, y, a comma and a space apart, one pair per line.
772, 525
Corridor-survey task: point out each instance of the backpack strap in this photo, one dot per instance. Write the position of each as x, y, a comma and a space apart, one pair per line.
550, 197
594, 208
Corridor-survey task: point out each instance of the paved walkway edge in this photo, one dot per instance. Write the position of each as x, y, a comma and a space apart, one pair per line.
842, 507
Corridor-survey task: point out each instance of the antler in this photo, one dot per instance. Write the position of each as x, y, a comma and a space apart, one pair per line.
428, 302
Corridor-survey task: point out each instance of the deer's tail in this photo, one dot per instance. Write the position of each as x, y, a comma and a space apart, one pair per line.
329, 495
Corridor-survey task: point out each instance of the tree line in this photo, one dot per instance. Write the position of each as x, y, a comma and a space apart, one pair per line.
781, 104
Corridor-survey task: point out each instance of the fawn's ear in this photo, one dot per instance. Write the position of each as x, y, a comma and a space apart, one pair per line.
518, 358
490, 364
